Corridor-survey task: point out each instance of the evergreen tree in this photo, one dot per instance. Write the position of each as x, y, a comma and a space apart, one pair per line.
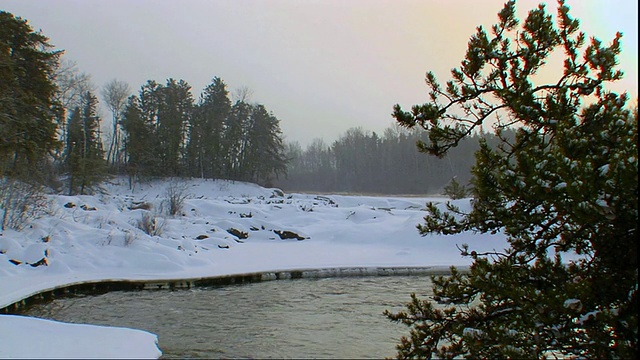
564, 191
350, 163
156, 128
234, 139
263, 156
174, 112
139, 141
454, 190
84, 156
27, 99
205, 148
309, 169
174, 116
321, 166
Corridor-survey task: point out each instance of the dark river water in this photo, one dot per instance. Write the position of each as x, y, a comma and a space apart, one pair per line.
304, 318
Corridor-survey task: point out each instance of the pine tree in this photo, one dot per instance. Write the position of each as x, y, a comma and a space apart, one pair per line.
263, 156
84, 156
564, 191
174, 112
205, 148
454, 190
139, 142
155, 124
234, 139
27, 99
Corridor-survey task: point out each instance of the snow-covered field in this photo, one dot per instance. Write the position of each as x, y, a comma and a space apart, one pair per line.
223, 228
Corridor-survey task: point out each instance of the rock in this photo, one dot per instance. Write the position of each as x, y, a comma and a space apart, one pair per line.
44, 261
326, 200
286, 234
40, 262
277, 193
201, 237
140, 205
69, 205
237, 233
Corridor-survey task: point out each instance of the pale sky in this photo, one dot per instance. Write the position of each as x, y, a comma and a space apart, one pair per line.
320, 66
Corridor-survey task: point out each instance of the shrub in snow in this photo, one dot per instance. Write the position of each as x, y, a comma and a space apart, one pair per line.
150, 224
129, 238
20, 202
175, 196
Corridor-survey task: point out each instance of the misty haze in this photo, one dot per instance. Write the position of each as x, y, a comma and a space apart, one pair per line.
318, 179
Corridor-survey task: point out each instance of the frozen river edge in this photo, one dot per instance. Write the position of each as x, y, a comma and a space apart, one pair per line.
99, 286
100, 341
227, 233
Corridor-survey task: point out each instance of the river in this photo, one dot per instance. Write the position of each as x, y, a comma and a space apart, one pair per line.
303, 318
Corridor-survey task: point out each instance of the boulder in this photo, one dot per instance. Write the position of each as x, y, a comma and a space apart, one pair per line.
237, 233
286, 234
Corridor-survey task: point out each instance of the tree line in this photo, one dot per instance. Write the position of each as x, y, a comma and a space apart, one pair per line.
167, 133
163, 132
52, 133
365, 162
51, 130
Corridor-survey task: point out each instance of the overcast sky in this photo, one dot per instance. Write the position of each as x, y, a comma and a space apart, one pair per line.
320, 66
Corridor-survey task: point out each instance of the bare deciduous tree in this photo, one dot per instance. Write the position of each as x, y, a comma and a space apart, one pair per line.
19, 203
115, 94
242, 94
72, 84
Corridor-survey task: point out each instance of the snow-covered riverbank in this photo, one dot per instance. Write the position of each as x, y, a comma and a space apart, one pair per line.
223, 228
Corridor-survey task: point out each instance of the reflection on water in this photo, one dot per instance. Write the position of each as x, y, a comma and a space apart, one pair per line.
306, 318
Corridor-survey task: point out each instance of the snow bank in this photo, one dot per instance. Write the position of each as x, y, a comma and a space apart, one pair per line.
31, 338
224, 228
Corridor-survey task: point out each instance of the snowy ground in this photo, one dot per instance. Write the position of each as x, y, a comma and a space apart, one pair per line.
89, 238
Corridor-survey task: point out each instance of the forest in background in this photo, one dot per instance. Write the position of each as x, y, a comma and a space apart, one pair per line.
54, 134
361, 161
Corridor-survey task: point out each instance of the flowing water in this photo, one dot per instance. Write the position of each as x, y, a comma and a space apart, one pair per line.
304, 318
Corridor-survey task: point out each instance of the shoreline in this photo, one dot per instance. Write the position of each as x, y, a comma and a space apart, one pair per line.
101, 286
